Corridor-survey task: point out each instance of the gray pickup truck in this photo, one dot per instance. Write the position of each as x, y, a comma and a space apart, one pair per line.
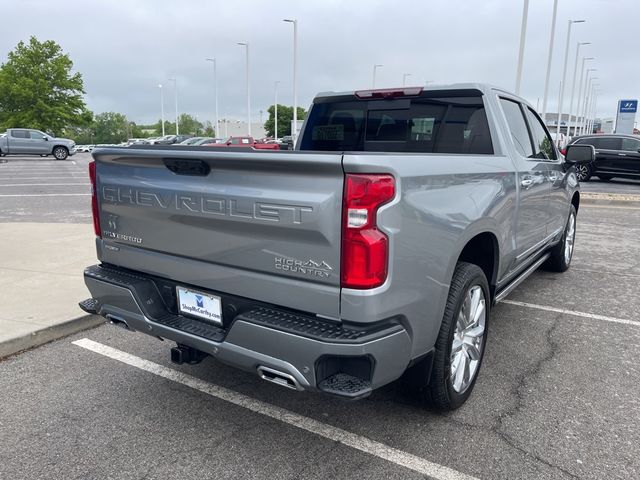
374, 250
26, 141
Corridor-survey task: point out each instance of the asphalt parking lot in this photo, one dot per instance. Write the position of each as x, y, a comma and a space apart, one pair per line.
558, 395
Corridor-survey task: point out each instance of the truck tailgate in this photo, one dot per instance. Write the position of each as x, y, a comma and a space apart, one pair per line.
256, 224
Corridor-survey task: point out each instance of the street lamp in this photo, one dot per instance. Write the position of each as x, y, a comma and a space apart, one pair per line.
275, 128
175, 92
584, 98
579, 99
404, 78
375, 67
573, 85
294, 133
161, 107
246, 45
546, 81
523, 34
564, 76
215, 88
587, 104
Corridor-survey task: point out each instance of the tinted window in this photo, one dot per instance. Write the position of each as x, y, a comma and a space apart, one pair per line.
589, 141
36, 135
429, 125
518, 127
19, 134
541, 140
630, 144
610, 143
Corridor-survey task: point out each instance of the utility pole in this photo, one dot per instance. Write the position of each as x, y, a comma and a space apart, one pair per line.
546, 81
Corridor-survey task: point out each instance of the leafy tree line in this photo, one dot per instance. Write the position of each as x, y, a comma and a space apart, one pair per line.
285, 116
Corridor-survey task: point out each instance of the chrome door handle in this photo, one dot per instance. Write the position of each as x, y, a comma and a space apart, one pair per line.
622, 154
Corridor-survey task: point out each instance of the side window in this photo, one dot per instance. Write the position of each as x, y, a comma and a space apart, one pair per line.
541, 140
610, 143
589, 141
630, 145
19, 134
35, 135
235, 141
245, 141
517, 126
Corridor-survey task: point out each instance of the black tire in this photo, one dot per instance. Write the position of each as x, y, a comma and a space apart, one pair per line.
604, 178
559, 261
60, 153
583, 172
440, 392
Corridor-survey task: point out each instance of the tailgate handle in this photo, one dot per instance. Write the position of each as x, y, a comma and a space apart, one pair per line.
187, 166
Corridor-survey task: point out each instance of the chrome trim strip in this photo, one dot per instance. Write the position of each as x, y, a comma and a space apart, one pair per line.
538, 245
509, 288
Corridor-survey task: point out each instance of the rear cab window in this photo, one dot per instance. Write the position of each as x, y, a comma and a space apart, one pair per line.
447, 121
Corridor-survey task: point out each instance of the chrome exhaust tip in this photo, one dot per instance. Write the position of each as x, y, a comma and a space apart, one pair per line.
279, 378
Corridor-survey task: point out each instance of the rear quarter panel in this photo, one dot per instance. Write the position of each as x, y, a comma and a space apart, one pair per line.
442, 201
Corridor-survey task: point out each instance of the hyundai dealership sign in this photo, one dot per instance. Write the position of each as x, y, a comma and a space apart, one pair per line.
626, 116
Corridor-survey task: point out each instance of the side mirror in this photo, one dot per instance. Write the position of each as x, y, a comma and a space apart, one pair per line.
580, 154
46, 139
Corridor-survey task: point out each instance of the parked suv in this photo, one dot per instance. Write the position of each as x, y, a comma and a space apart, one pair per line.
376, 248
616, 156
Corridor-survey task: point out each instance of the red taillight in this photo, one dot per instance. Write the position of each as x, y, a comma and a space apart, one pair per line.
94, 199
365, 249
563, 151
390, 92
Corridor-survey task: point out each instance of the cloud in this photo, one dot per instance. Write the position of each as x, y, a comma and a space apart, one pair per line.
124, 49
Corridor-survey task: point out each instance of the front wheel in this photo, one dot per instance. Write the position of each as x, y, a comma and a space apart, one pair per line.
583, 172
562, 253
61, 153
460, 345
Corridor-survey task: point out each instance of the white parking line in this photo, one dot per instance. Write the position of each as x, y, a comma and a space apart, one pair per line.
614, 207
41, 184
67, 177
593, 316
330, 432
47, 195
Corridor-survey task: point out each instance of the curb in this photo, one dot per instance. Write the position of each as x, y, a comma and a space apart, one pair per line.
610, 199
49, 334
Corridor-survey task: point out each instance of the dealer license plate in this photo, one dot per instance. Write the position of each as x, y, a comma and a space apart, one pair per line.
201, 305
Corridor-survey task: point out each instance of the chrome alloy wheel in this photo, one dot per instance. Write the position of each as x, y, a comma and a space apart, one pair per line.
569, 238
467, 345
582, 172
60, 153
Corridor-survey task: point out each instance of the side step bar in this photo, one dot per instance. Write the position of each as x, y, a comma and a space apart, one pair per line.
502, 294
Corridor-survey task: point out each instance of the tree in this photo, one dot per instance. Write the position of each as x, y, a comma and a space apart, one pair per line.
110, 127
285, 116
38, 89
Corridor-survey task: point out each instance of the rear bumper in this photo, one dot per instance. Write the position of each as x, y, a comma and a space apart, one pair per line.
311, 350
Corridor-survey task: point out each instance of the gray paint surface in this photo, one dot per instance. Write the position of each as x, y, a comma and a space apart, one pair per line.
224, 231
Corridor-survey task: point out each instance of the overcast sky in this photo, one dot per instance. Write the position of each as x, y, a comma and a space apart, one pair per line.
125, 48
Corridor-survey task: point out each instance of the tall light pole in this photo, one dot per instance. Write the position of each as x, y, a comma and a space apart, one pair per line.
564, 76
175, 94
404, 78
215, 92
161, 107
546, 81
246, 45
579, 100
587, 92
523, 34
294, 133
275, 114
375, 68
584, 99
573, 84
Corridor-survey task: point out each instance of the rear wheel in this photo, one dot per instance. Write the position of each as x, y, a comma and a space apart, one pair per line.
562, 253
460, 345
583, 172
61, 153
